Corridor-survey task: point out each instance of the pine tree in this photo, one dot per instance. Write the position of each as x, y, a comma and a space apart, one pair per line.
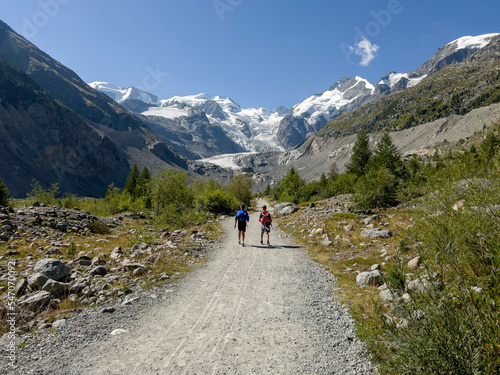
131, 183
387, 155
361, 155
4, 194
291, 187
143, 180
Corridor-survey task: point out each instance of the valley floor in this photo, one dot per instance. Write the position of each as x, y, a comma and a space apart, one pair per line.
249, 310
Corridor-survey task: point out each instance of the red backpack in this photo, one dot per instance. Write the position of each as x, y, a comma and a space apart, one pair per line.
266, 219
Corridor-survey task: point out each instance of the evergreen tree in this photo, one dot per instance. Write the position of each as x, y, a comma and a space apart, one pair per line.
361, 155
387, 155
4, 194
143, 181
131, 183
334, 172
291, 187
267, 192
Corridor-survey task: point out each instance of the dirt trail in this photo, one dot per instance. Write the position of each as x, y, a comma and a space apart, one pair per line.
250, 310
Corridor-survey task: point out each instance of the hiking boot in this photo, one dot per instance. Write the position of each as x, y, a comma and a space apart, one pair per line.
239, 242
262, 242
243, 244
268, 244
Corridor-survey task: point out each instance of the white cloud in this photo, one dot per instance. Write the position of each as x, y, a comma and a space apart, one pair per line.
366, 50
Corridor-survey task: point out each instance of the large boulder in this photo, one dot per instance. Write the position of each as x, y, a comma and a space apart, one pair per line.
369, 278
375, 233
52, 268
285, 208
36, 281
35, 301
56, 288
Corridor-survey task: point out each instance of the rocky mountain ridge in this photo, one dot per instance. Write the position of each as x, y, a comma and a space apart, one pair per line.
259, 130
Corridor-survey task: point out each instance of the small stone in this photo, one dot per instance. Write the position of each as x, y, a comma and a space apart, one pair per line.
119, 331
59, 323
414, 264
108, 310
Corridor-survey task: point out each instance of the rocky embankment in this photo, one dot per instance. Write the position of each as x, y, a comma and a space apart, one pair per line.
55, 261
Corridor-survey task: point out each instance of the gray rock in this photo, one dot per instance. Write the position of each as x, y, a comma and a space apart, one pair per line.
52, 268
83, 260
369, 278
370, 219
375, 233
78, 287
56, 288
21, 287
35, 301
99, 271
386, 295
59, 323
285, 208
419, 286
414, 264
36, 281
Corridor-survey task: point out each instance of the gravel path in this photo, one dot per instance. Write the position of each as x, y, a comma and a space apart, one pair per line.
249, 310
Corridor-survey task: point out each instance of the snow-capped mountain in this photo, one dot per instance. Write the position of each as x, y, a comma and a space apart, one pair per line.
258, 130
254, 129
312, 114
451, 53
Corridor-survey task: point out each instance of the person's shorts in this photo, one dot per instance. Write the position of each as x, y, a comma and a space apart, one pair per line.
265, 229
242, 226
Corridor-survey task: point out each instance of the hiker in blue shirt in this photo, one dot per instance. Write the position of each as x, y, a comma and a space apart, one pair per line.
241, 218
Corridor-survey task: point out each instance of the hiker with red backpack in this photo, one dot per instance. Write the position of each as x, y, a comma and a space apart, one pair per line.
266, 220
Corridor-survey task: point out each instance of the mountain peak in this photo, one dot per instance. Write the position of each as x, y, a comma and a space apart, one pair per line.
473, 42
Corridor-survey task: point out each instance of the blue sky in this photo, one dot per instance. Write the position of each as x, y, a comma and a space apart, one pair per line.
261, 53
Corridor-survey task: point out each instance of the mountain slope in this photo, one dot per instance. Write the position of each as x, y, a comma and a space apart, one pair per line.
43, 140
131, 137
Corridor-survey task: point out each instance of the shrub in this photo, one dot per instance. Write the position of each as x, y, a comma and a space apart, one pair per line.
378, 188
99, 227
216, 201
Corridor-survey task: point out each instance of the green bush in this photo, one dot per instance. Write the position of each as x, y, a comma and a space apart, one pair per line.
216, 201
99, 227
454, 331
378, 188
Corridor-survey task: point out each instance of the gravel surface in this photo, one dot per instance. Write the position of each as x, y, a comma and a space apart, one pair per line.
249, 310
